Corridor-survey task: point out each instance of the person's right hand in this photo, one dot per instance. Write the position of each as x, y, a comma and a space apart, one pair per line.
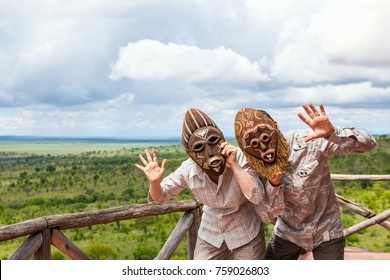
318, 122
152, 170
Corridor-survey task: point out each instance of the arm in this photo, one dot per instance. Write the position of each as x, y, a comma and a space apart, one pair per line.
153, 172
267, 196
273, 202
244, 179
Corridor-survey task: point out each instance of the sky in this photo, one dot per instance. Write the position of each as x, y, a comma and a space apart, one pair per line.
131, 69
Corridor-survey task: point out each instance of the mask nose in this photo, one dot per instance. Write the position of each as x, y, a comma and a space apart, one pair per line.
208, 150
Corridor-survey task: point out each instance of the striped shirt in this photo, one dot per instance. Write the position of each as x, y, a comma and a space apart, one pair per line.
228, 216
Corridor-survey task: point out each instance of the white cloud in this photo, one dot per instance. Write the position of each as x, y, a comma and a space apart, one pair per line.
61, 72
152, 60
351, 36
349, 94
336, 43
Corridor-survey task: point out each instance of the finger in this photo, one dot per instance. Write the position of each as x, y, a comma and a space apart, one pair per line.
148, 155
163, 165
223, 144
308, 138
314, 110
231, 151
322, 110
155, 158
226, 149
305, 120
140, 167
143, 160
308, 111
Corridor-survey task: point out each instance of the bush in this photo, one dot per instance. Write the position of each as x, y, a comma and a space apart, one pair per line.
144, 252
99, 251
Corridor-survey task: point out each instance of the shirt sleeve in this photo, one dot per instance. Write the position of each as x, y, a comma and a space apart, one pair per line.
272, 204
269, 200
349, 141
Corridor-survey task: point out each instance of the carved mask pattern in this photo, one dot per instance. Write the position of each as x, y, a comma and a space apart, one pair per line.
261, 141
202, 140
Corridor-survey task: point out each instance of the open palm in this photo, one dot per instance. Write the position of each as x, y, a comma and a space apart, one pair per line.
319, 123
152, 170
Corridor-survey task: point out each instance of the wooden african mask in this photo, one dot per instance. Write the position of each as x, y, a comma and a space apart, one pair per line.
202, 140
260, 139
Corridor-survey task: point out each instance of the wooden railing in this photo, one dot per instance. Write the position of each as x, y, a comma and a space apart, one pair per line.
46, 231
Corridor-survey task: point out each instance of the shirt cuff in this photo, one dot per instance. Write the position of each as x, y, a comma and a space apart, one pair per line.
160, 199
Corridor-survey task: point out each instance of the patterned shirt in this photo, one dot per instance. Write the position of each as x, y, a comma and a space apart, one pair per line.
228, 216
312, 215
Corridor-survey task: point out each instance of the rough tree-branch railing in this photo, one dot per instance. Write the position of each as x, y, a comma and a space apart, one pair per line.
46, 231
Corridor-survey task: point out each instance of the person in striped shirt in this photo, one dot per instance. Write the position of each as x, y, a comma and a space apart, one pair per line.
219, 176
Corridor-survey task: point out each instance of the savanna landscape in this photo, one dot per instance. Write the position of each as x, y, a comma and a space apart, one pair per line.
45, 177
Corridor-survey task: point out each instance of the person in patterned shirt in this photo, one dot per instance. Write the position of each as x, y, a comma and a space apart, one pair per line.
310, 219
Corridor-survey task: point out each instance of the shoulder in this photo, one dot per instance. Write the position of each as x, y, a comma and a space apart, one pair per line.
240, 157
189, 168
296, 135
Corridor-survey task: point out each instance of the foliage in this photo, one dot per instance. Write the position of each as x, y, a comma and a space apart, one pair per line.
101, 252
41, 184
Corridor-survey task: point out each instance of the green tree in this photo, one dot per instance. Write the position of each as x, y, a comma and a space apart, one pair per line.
100, 251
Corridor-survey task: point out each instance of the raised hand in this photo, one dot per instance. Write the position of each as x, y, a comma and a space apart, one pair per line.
318, 122
275, 179
152, 170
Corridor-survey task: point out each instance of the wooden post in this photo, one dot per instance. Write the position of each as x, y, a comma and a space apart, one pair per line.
95, 217
28, 247
365, 224
193, 233
67, 247
176, 236
44, 252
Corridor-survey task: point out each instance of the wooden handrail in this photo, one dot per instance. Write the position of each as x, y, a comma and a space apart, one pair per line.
360, 209
95, 217
347, 177
367, 223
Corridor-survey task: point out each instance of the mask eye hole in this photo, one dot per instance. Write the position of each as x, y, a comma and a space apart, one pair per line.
265, 138
213, 140
198, 147
254, 143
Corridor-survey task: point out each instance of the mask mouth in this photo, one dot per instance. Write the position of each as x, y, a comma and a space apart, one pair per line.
269, 156
215, 162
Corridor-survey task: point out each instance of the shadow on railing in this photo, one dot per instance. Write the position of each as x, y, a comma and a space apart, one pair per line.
46, 231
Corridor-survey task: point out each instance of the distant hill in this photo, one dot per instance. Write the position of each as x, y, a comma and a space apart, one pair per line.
11, 138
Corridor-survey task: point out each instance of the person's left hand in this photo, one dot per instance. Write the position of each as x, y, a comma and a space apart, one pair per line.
274, 179
319, 123
229, 151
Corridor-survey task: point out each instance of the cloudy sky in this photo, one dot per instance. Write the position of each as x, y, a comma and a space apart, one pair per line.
132, 68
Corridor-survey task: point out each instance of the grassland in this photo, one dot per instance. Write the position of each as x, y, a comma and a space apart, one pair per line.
74, 147
43, 178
